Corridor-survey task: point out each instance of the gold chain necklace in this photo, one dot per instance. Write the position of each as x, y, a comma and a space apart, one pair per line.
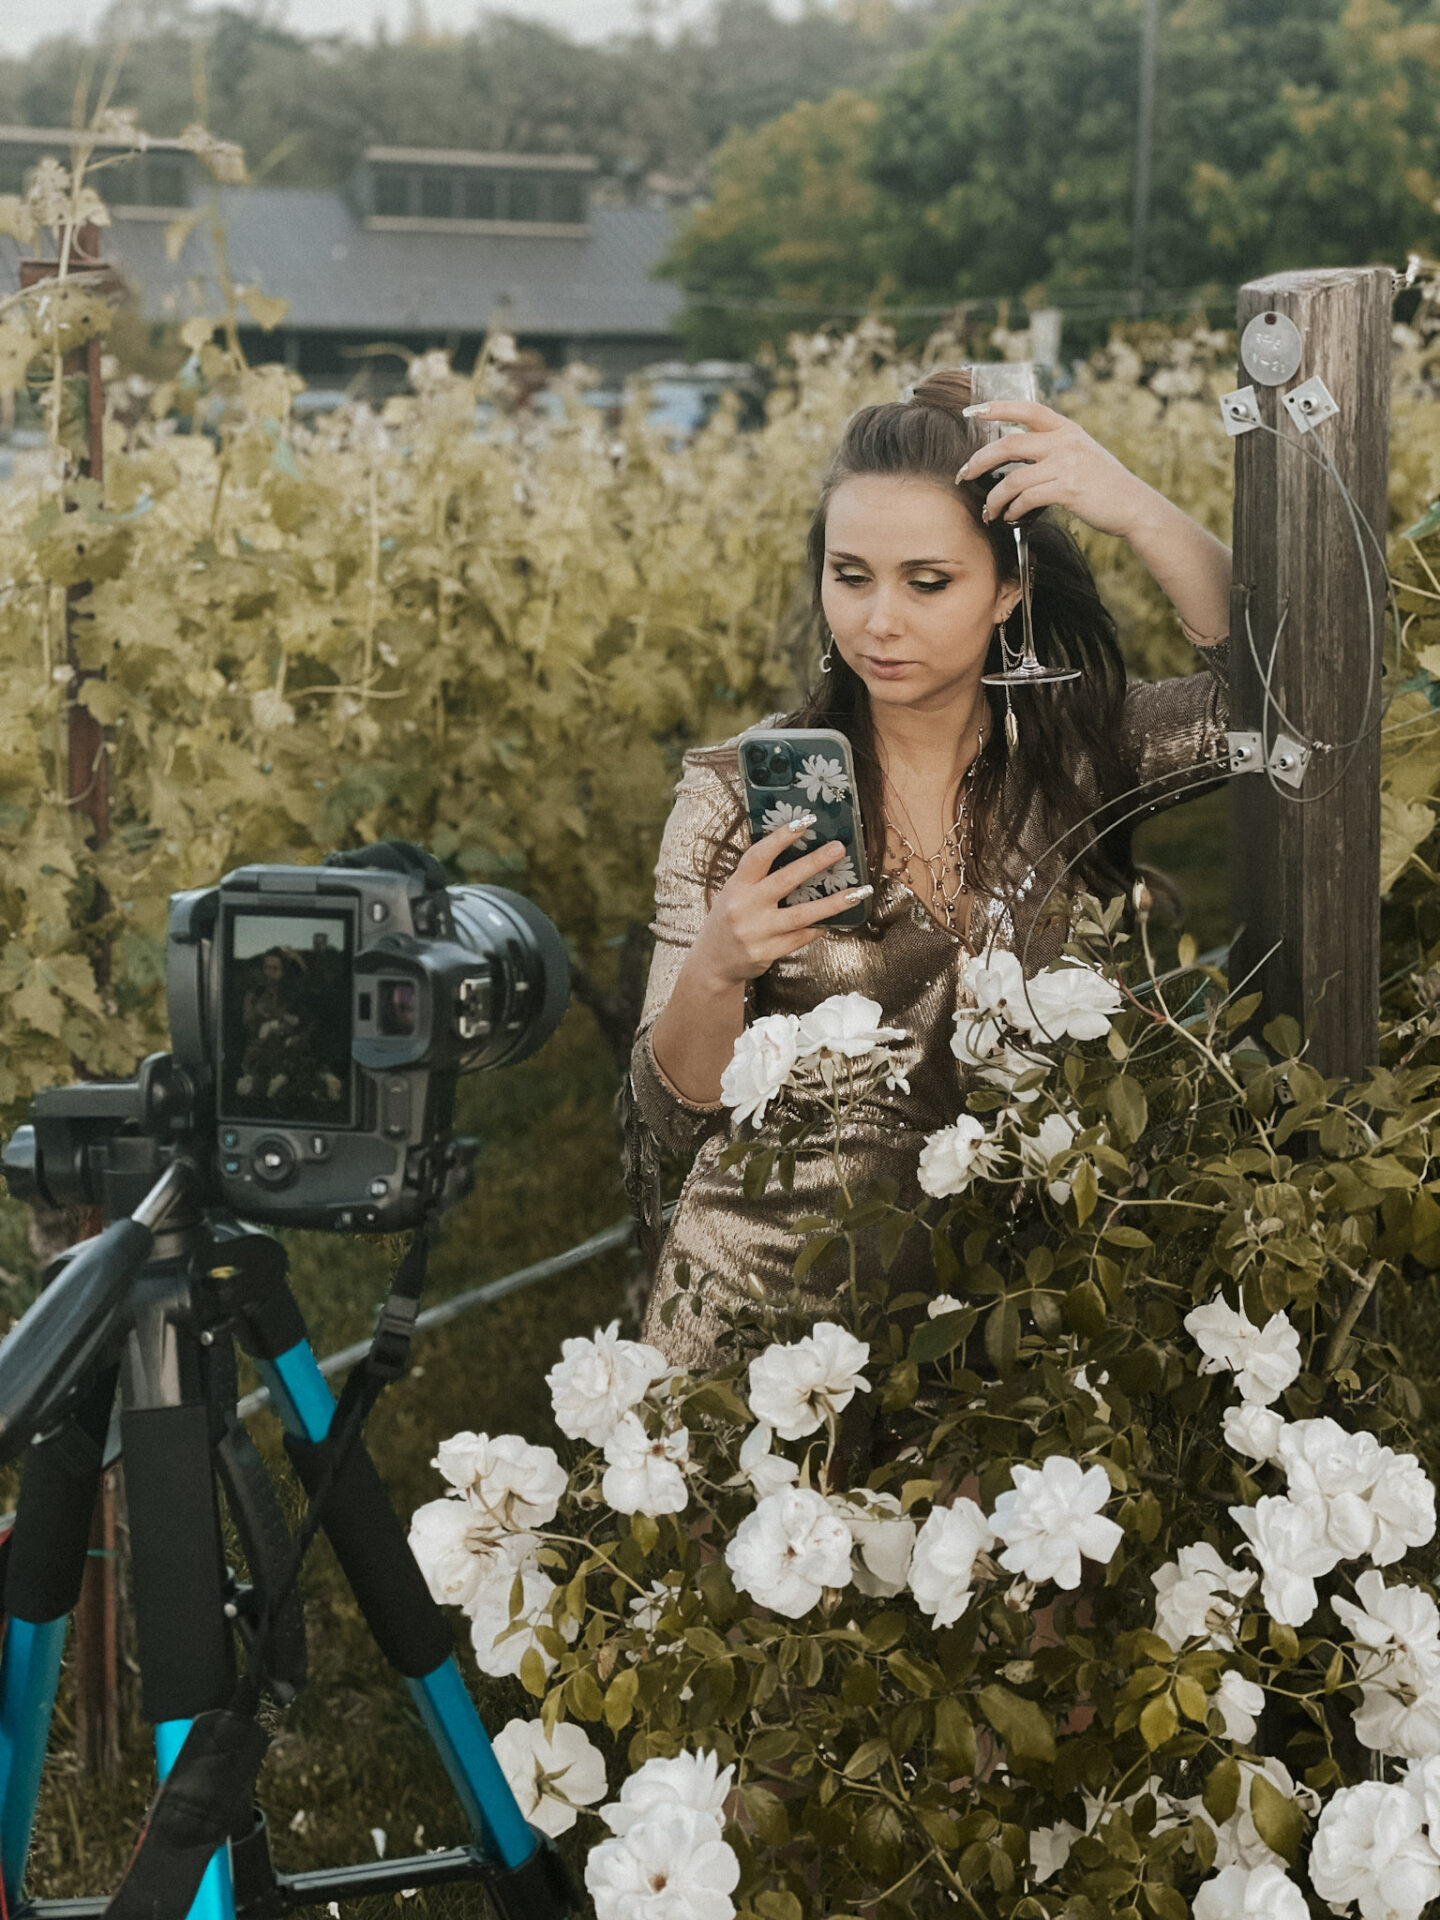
950, 865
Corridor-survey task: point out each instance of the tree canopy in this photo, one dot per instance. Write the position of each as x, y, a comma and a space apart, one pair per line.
1000, 160
641, 104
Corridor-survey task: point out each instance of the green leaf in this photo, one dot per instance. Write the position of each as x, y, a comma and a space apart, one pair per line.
954, 1737
1021, 1724
778, 1906
757, 1173
1166, 1903
532, 1672
813, 1252
1191, 1698
1085, 1309
1285, 1642
1159, 1721
767, 1815
867, 1758
1127, 1103
1222, 1791
582, 1694
933, 1339
620, 1698
1278, 1820
1002, 1337
644, 1531
912, 1673
1084, 1190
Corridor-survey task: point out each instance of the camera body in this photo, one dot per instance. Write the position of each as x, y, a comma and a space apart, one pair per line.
321, 1017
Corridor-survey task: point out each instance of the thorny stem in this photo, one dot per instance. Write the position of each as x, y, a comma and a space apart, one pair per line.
1335, 1346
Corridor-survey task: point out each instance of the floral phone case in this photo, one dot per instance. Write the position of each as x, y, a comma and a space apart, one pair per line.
790, 770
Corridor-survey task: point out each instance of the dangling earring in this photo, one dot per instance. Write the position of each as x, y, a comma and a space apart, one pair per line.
827, 652
1012, 725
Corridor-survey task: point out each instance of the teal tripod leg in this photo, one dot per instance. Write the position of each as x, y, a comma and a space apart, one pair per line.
29, 1670
44, 1566
371, 1546
216, 1898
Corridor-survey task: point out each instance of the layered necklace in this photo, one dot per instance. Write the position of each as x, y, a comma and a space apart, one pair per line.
953, 861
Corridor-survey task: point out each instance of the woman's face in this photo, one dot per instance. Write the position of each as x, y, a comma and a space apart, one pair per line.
910, 590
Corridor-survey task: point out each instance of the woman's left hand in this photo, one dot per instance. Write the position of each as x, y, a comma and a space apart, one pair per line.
1055, 464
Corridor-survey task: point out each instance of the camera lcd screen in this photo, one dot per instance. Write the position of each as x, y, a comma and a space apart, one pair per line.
285, 1039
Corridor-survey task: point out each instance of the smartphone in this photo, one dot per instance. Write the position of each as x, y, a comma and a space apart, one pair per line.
791, 770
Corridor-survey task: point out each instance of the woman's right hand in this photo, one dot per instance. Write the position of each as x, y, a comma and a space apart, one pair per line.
747, 929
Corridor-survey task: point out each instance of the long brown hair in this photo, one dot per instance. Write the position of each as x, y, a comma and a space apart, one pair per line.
1070, 757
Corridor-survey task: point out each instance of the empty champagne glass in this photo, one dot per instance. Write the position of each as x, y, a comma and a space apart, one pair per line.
1015, 380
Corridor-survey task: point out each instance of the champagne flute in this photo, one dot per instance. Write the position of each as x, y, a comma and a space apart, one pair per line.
1015, 380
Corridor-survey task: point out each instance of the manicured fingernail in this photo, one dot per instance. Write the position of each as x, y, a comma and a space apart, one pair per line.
963, 471
860, 893
981, 406
803, 820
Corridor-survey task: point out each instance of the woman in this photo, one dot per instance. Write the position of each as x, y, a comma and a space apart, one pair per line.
976, 829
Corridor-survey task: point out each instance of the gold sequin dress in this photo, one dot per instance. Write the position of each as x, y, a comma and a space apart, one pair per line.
905, 959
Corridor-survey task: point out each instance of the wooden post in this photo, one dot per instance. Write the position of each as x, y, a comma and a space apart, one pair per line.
97, 1673
1305, 860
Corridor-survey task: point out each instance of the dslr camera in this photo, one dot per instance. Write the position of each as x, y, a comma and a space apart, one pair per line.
320, 1017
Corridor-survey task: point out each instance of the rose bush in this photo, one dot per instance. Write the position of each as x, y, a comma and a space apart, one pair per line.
961, 1630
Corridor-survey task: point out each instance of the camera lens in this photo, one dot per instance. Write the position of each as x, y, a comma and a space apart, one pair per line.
529, 969
756, 760
779, 765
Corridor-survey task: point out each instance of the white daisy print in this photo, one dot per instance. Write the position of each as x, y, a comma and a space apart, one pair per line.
822, 779
811, 890
835, 879
780, 815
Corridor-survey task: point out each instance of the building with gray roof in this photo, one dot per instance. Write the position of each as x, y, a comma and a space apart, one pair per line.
423, 249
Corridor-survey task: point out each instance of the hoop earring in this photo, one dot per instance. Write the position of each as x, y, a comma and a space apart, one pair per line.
827, 652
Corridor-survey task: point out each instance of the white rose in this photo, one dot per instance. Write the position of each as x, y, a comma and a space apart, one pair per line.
460, 1553
953, 1157
672, 1865
1238, 1701
760, 1066
695, 1781
795, 1387
1397, 1665
1265, 1360
597, 1380
1252, 1430
1197, 1595
1009, 1064
1422, 1782
789, 1550
1068, 1002
1250, 1893
1403, 1502
551, 1774
1330, 1472
942, 1568
883, 1537
846, 1023
1054, 1136
1052, 1516
1369, 1849
766, 1472
498, 1651
995, 981
978, 1037
1050, 1849
1291, 1553
512, 1483
1103, 1409
646, 1475
943, 1303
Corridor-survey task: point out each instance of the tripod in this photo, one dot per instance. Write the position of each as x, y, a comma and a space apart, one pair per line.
154, 1307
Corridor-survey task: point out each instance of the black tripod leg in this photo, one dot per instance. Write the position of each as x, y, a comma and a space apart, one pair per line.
45, 1564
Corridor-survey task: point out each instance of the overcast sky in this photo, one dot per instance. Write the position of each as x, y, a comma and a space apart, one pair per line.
23, 22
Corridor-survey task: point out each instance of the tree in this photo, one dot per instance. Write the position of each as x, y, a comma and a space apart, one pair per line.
788, 237
1287, 131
